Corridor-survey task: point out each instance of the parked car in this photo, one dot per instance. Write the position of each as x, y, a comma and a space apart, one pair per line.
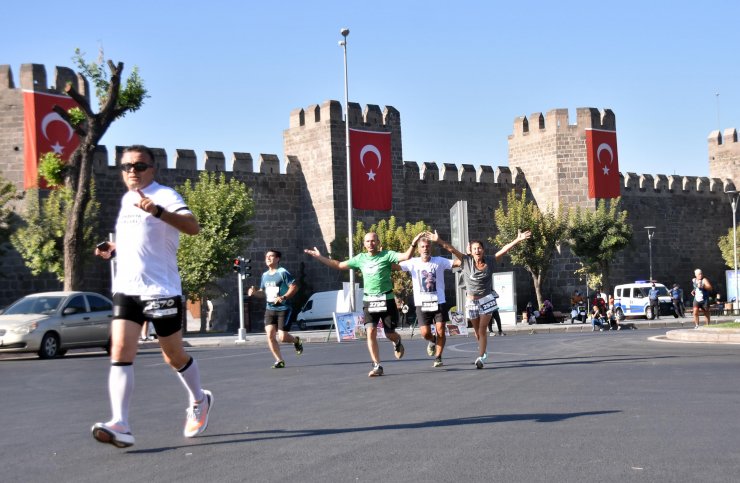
51, 323
631, 299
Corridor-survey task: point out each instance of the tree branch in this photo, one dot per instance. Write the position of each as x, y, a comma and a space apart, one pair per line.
80, 100
63, 113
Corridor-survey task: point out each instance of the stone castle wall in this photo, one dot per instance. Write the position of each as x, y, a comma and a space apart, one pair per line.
306, 205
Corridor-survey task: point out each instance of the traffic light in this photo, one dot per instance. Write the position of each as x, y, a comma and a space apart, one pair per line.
242, 266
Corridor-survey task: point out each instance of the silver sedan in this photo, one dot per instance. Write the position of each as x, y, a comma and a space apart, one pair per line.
51, 323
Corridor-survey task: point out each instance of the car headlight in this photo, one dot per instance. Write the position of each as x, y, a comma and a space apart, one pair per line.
25, 328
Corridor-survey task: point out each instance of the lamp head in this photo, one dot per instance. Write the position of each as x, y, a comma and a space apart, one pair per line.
344, 32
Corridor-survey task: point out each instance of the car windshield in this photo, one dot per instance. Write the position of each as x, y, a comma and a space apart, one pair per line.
662, 291
34, 305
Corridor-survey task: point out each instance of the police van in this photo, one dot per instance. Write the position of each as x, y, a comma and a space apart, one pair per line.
631, 300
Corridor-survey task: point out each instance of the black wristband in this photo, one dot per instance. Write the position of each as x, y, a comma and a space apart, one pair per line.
159, 212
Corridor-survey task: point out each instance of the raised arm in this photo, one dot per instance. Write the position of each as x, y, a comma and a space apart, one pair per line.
335, 264
436, 239
520, 237
402, 257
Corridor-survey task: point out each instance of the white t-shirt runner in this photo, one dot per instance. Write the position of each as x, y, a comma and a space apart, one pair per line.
428, 280
146, 247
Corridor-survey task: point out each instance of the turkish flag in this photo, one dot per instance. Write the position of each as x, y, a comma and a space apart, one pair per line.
603, 164
45, 131
370, 153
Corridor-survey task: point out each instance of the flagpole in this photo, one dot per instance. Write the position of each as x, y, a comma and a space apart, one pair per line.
343, 44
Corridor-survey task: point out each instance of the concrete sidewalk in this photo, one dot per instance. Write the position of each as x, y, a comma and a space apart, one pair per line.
316, 336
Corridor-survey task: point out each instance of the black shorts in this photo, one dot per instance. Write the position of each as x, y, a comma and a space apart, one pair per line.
389, 317
702, 305
439, 316
281, 318
165, 314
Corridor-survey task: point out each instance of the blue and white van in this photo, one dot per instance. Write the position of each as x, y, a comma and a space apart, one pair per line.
631, 300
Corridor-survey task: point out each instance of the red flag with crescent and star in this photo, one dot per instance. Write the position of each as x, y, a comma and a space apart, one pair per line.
370, 153
45, 131
603, 164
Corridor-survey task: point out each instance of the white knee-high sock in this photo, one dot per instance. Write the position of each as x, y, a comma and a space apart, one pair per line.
190, 377
120, 389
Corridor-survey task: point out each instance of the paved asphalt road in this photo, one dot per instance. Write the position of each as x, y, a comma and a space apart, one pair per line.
558, 408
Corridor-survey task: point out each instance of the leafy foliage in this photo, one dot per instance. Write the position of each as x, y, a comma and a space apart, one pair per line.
8, 218
725, 247
597, 236
40, 241
224, 209
51, 168
392, 237
130, 97
548, 230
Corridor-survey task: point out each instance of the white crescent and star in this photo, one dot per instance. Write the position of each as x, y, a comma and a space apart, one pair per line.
369, 148
55, 117
605, 147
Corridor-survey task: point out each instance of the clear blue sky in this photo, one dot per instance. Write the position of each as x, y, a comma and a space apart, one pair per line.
224, 76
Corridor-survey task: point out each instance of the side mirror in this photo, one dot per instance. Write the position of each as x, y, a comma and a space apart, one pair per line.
69, 311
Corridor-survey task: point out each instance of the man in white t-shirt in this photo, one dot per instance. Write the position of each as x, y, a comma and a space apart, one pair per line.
147, 287
427, 277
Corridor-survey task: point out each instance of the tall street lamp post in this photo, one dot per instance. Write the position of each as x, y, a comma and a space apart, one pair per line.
733, 195
651, 234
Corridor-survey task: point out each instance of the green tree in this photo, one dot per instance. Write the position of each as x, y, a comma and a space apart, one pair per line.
725, 247
40, 239
224, 209
115, 101
8, 217
596, 236
394, 237
548, 230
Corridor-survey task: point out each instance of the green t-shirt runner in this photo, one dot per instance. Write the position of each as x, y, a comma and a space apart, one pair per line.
376, 272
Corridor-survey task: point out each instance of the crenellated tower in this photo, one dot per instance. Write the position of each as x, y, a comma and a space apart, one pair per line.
724, 154
552, 153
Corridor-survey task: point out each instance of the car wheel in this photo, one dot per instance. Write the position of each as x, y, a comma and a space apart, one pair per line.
620, 315
106, 347
302, 325
49, 346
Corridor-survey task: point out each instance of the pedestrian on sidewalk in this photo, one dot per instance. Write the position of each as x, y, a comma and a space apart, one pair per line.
702, 289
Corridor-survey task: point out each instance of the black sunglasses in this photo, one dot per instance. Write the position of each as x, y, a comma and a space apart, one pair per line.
138, 167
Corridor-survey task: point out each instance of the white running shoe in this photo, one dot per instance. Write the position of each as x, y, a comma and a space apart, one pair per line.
479, 363
113, 434
197, 416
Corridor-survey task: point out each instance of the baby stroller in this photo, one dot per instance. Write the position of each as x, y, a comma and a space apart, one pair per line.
578, 313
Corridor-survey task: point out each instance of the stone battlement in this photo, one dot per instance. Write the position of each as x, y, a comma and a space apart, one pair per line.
186, 159
671, 184
464, 173
331, 111
33, 78
557, 121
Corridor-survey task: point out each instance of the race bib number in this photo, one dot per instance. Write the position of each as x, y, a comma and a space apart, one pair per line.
376, 303
271, 294
487, 304
699, 297
429, 302
159, 308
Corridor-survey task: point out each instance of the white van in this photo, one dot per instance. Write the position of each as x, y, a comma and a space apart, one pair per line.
318, 309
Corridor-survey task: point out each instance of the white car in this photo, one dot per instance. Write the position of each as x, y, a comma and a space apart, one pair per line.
50, 323
631, 300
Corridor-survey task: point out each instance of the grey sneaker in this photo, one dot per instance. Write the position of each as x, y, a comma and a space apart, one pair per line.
377, 371
437, 362
479, 363
298, 344
197, 415
430, 349
112, 434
